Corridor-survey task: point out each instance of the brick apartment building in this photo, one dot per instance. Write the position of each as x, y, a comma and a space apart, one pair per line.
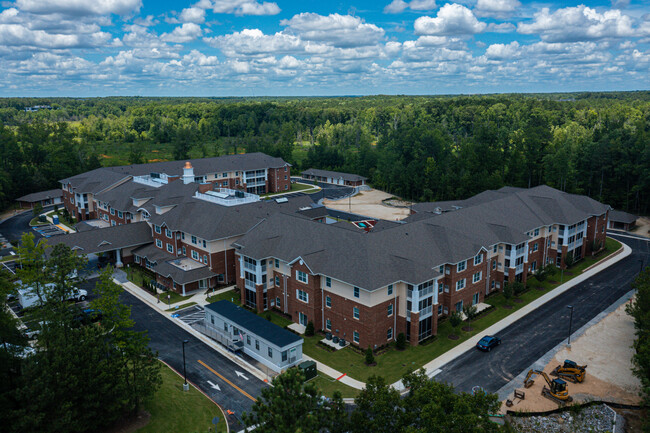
334, 177
254, 173
367, 287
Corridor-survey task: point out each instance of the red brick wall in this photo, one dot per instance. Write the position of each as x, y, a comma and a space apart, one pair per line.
312, 309
221, 263
597, 223
276, 179
450, 299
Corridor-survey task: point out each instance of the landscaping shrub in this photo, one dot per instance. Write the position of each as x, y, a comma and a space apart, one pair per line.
370, 358
517, 288
455, 319
507, 291
309, 330
400, 344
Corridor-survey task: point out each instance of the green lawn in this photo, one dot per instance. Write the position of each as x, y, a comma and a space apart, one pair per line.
327, 385
173, 410
180, 307
232, 296
393, 364
295, 187
36, 222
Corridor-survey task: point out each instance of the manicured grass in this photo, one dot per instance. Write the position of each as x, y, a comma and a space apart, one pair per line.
295, 187
232, 296
180, 307
36, 222
173, 297
393, 364
327, 385
173, 410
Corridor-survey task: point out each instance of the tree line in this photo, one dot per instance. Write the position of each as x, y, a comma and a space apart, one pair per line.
77, 375
420, 148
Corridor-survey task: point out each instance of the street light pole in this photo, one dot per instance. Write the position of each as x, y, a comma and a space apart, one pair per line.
186, 387
570, 307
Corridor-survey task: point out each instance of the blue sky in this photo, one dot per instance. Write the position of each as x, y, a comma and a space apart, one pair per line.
296, 48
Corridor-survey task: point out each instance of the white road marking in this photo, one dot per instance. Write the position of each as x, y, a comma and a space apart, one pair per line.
214, 386
240, 374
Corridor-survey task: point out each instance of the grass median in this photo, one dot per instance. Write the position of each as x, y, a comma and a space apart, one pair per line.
392, 364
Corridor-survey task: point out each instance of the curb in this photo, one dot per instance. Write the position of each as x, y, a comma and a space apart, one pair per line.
242, 363
518, 381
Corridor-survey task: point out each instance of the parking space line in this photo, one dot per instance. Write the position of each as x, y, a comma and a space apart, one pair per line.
227, 381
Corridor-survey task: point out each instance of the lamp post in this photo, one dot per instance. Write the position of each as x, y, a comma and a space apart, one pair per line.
570, 307
186, 387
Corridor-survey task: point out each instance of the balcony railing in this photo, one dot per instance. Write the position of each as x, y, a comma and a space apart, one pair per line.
426, 311
250, 267
519, 268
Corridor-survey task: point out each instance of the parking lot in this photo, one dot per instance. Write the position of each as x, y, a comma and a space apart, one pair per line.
48, 230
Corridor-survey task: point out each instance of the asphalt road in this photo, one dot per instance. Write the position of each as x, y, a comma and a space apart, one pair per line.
213, 373
14, 227
532, 336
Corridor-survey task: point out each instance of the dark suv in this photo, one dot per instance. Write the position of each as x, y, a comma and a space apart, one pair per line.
488, 342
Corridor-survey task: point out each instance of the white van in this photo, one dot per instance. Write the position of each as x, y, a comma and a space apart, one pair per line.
27, 298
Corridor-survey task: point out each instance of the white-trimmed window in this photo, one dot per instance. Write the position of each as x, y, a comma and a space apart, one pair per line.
328, 301
390, 289
356, 292
270, 352
159, 243
194, 239
389, 334
536, 233
168, 233
494, 250
277, 263
170, 248
196, 256
277, 281
477, 277
535, 247
441, 269
328, 282
355, 337
355, 312
460, 284
478, 259
494, 264
277, 302
157, 229
301, 276
328, 324
120, 214
184, 251
302, 295
461, 266
205, 259
441, 287
113, 213
390, 310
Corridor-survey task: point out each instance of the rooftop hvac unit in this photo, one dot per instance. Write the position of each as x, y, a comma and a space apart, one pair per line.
239, 194
281, 200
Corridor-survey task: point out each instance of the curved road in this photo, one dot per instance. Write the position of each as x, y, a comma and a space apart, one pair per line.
529, 338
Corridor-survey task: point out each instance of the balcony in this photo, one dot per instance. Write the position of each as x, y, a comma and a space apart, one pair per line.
249, 285
519, 269
250, 267
426, 311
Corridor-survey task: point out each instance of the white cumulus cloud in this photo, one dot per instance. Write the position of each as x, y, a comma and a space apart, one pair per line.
398, 6
80, 7
338, 30
185, 33
452, 19
240, 7
496, 8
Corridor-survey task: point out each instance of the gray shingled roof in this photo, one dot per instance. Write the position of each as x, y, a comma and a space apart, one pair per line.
106, 239
99, 179
622, 217
412, 252
333, 174
164, 265
254, 324
42, 195
211, 221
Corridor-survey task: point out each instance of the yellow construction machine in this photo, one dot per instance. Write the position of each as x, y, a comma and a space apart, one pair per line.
570, 371
557, 388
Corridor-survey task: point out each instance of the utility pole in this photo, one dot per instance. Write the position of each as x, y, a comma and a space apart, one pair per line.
570, 307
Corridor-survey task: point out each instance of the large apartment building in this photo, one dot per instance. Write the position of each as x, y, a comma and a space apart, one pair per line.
254, 173
367, 287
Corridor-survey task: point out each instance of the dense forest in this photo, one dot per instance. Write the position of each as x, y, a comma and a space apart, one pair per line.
420, 148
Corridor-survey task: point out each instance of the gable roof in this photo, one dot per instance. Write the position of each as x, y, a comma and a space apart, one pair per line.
254, 324
105, 239
333, 174
622, 217
42, 195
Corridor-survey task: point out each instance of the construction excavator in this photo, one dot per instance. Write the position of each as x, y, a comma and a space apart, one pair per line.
557, 388
570, 371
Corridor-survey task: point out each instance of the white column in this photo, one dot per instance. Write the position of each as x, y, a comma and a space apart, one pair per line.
118, 261
183, 287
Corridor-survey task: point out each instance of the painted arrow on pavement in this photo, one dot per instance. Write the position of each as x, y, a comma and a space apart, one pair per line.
214, 386
240, 374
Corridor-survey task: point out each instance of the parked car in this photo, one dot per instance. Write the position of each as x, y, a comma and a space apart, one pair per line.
488, 342
88, 315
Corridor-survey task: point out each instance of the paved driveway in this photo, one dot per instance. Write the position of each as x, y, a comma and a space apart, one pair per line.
532, 336
224, 381
14, 227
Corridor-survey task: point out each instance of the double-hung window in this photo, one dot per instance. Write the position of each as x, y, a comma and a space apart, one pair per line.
355, 312
535, 247
461, 266
477, 277
159, 243
168, 233
478, 259
390, 289
328, 282
302, 295
194, 239
328, 301
460, 284
195, 256
301, 276
170, 248
356, 292
355, 337
390, 309
157, 229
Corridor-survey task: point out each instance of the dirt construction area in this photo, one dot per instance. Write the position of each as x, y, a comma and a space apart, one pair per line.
606, 349
370, 203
